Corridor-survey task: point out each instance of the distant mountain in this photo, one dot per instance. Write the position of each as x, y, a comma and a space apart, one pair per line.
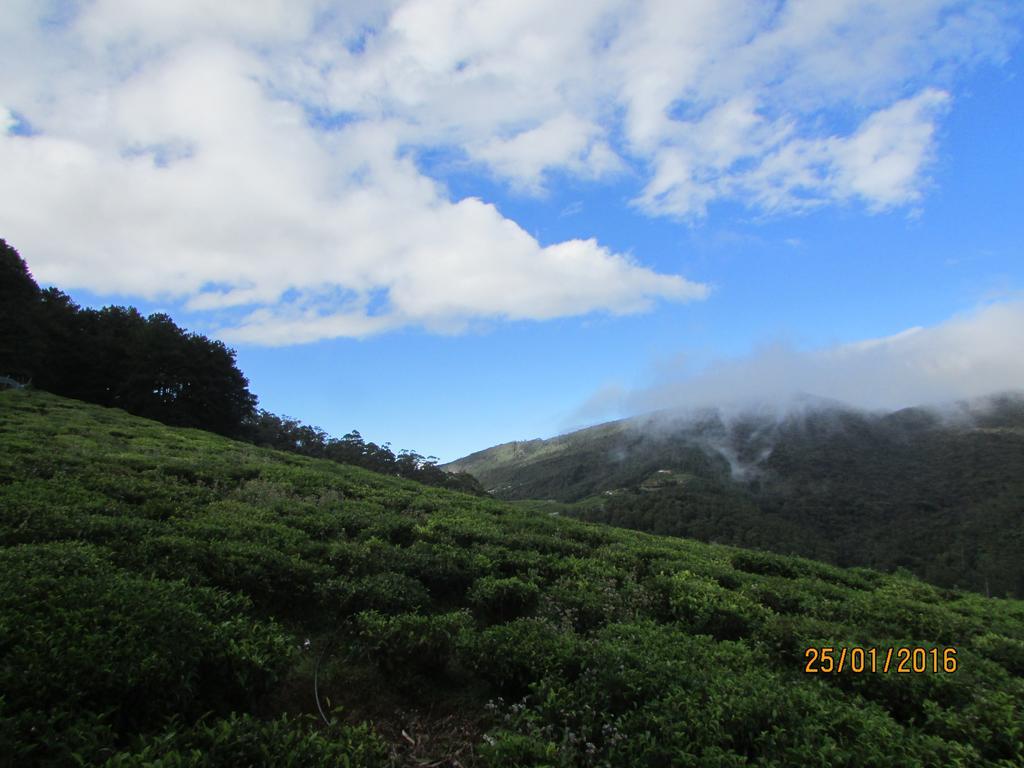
939, 491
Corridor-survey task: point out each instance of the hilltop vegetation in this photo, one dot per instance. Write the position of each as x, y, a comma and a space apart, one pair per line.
170, 597
150, 367
939, 493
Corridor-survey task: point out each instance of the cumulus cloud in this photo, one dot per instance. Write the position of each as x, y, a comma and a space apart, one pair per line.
562, 141
258, 160
970, 355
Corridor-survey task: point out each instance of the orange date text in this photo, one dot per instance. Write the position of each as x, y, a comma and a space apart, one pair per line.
861, 660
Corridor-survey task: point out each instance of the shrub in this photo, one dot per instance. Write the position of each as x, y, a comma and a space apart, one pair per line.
704, 607
409, 644
446, 570
82, 636
766, 564
516, 750
513, 655
381, 592
278, 582
498, 600
242, 740
582, 603
1004, 650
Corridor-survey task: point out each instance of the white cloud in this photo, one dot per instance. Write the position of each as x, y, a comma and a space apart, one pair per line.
970, 355
880, 164
7, 120
881, 161
742, 100
564, 141
257, 155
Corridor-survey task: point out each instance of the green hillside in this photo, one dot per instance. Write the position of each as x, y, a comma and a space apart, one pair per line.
173, 598
940, 493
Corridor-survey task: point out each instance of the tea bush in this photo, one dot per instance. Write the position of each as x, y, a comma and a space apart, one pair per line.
172, 598
409, 644
502, 599
241, 740
80, 635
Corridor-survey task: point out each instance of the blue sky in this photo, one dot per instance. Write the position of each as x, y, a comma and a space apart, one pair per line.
455, 224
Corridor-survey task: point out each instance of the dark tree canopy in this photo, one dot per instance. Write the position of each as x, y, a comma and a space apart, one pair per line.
19, 336
184, 379
287, 434
116, 357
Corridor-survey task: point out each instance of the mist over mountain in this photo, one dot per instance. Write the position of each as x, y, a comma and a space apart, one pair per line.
963, 358
938, 490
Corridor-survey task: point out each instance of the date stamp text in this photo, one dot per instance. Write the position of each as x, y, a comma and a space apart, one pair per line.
862, 660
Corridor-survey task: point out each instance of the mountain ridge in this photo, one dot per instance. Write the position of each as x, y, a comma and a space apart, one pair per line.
937, 490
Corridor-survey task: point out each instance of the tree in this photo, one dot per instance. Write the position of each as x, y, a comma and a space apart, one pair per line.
20, 340
62, 353
379, 458
116, 357
350, 449
181, 378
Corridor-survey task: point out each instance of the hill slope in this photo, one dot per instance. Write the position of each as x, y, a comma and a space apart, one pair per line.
939, 493
169, 597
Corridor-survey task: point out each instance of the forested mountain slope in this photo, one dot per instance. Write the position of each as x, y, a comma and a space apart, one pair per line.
940, 492
170, 597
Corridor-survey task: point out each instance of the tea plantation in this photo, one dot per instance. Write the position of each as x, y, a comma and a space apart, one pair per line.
173, 598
